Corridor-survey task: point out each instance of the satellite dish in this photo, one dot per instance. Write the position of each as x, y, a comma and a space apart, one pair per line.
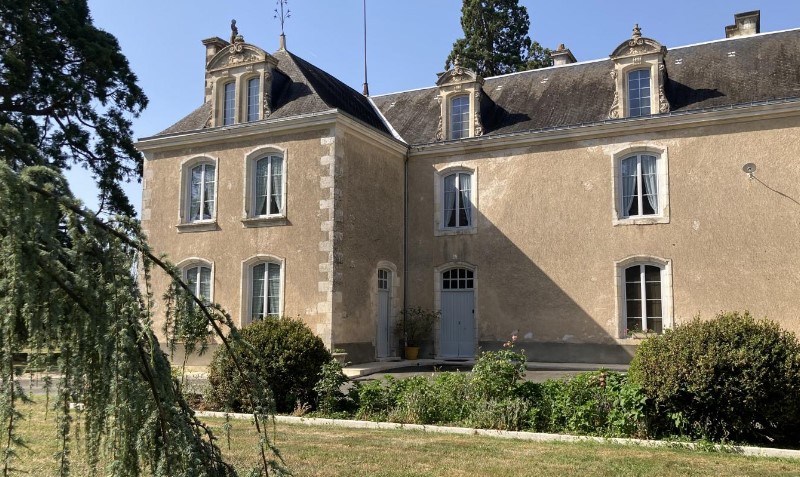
749, 168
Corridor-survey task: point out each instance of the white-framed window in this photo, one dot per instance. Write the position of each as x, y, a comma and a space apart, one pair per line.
228, 103
458, 279
640, 185
459, 117
639, 92
639, 175
201, 196
383, 279
457, 200
265, 290
253, 99
644, 294
198, 277
268, 180
643, 301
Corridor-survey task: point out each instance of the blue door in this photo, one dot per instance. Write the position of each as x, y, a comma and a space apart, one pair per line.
457, 334
384, 312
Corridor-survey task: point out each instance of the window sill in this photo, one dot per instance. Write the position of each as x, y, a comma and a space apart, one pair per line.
641, 221
277, 220
205, 226
459, 231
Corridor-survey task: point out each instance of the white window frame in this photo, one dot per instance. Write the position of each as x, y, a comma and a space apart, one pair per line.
193, 262
628, 91
662, 170
440, 225
245, 113
466, 130
247, 285
249, 217
223, 101
185, 224
665, 265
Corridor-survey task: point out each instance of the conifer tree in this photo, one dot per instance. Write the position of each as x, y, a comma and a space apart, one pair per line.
496, 39
75, 285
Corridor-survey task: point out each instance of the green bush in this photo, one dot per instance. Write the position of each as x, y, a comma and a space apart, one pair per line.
284, 351
496, 375
330, 398
729, 378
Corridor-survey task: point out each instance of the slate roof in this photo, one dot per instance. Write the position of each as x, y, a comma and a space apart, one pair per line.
764, 67
702, 76
298, 88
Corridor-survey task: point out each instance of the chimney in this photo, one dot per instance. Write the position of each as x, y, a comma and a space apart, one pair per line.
213, 46
745, 24
562, 56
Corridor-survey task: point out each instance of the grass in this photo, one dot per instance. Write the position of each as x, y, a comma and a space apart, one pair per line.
332, 451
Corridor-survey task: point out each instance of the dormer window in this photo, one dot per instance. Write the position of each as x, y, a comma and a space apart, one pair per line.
229, 103
640, 77
253, 103
239, 78
639, 93
460, 93
459, 117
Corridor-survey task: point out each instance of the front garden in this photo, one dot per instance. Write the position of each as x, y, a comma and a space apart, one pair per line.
730, 380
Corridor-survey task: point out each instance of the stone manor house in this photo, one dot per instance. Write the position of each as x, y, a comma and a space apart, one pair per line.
569, 205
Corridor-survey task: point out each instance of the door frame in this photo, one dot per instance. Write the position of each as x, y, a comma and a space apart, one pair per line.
394, 294
437, 297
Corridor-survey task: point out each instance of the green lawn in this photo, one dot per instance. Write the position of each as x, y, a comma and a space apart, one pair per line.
332, 451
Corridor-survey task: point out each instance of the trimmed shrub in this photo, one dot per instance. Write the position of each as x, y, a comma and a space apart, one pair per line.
284, 351
730, 378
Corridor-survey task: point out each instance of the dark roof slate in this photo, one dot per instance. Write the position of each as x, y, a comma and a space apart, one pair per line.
701, 76
299, 88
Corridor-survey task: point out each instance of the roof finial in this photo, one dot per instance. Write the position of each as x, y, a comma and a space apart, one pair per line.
637, 32
282, 15
457, 61
234, 30
561, 47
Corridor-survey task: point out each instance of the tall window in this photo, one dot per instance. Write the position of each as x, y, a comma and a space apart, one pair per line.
253, 90
459, 117
639, 93
268, 185
265, 290
201, 192
229, 103
643, 307
199, 280
457, 201
639, 185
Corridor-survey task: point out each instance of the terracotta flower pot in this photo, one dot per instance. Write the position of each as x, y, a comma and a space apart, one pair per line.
412, 352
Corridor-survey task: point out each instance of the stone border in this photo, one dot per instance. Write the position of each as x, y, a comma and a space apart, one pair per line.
750, 451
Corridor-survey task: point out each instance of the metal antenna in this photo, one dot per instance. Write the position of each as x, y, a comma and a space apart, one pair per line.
366, 85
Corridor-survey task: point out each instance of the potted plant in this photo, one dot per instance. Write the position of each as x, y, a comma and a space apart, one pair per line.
414, 325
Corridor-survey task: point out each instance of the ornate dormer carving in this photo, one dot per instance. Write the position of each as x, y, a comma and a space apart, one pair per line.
638, 53
237, 62
456, 83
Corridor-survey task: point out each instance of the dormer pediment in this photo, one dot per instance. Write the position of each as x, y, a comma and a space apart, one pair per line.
238, 54
458, 75
638, 47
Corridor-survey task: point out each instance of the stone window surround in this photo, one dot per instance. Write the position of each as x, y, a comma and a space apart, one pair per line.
437, 297
438, 191
395, 290
184, 225
666, 289
662, 161
248, 220
240, 95
247, 285
191, 262
638, 53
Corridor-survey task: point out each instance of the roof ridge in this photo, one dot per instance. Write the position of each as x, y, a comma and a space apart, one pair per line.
294, 59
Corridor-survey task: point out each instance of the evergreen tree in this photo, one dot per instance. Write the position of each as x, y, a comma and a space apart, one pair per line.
77, 285
496, 39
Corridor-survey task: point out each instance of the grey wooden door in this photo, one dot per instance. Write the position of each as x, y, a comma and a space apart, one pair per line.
384, 312
457, 333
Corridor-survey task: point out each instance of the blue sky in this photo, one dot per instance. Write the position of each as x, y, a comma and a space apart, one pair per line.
407, 40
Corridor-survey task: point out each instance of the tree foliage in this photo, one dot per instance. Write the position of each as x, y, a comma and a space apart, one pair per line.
496, 39
76, 286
